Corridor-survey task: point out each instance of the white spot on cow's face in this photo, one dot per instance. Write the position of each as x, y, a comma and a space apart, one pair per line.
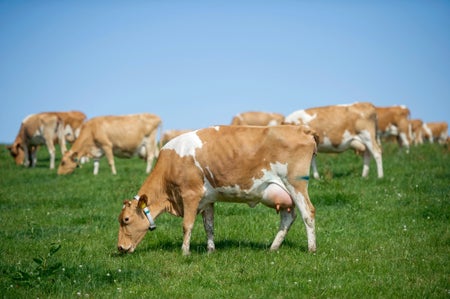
300, 117
217, 128
185, 144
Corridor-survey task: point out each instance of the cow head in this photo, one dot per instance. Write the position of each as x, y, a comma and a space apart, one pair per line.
68, 163
17, 153
133, 224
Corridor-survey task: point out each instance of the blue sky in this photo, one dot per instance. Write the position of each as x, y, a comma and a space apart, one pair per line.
198, 63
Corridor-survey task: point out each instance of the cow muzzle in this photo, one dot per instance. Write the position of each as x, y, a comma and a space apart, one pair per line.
125, 249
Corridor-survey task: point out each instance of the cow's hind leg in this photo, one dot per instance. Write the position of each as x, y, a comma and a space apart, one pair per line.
307, 210
287, 218
208, 223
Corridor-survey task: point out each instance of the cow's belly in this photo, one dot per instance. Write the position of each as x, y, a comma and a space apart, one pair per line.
268, 193
328, 147
139, 149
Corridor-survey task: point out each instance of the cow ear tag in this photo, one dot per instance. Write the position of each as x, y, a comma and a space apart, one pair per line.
142, 204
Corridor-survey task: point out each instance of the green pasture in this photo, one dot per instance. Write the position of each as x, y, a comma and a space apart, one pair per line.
376, 238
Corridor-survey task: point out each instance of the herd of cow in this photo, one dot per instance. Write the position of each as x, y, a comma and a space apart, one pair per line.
259, 158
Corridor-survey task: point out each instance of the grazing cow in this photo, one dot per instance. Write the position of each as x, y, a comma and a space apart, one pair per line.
342, 127
243, 164
171, 134
394, 121
122, 136
253, 118
45, 128
415, 131
435, 131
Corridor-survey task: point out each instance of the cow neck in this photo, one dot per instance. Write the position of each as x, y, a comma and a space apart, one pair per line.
152, 225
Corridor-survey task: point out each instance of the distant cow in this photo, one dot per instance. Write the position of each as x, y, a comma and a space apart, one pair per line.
394, 121
171, 134
415, 131
244, 164
45, 128
122, 136
342, 127
254, 118
435, 131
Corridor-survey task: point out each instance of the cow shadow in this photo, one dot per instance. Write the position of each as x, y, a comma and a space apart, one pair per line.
221, 245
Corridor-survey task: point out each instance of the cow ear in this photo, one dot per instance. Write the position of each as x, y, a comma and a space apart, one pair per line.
143, 201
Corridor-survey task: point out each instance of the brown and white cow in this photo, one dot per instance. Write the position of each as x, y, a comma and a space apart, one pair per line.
415, 131
342, 127
243, 164
435, 131
394, 121
256, 118
45, 128
122, 136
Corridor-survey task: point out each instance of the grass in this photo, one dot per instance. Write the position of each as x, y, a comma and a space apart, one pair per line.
376, 238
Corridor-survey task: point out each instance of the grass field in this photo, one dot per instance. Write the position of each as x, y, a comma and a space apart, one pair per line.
376, 238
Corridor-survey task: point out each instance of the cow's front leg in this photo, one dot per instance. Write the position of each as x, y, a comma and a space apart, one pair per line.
287, 218
314, 167
208, 223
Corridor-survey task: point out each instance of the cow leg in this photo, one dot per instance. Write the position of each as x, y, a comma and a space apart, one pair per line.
287, 218
307, 210
208, 223
366, 164
110, 156
96, 166
51, 151
188, 224
26, 156
314, 167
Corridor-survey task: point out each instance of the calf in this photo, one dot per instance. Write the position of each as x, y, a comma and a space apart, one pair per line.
122, 136
268, 165
342, 127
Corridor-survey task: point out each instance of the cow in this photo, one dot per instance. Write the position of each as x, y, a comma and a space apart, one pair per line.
45, 128
255, 118
435, 131
341, 127
171, 134
415, 131
394, 121
122, 136
242, 164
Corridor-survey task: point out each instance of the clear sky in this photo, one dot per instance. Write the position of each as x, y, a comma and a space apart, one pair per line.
198, 63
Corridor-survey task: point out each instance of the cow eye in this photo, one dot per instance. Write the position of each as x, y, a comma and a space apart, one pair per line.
126, 219
63, 163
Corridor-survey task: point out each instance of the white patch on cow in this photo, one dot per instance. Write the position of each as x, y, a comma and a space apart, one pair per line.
217, 128
302, 115
346, 105
428, 132
251, 196
327, 146
185, 144
272, 123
